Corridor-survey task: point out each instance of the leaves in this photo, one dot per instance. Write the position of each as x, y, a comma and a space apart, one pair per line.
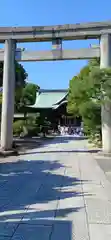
20, 74
26, 95
86, 93
91, 84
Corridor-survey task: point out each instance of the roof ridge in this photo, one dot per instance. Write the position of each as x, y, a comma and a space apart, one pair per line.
53, 90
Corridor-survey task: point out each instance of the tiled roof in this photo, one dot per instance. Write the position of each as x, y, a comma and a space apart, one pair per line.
50, 98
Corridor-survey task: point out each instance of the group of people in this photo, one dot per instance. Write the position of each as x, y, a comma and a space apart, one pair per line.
69, 130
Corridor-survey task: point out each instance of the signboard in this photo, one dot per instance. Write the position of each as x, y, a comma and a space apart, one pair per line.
57, 48
57, 44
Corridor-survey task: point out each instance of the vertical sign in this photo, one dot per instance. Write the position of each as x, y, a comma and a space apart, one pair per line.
57, 49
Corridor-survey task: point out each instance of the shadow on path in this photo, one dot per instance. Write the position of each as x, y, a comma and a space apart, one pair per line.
29, 194
63, 151
32, 143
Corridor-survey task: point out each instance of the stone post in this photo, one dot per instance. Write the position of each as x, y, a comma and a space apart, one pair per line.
105, 62
8, 96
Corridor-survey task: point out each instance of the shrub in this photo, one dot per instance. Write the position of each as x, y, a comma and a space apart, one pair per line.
18, 127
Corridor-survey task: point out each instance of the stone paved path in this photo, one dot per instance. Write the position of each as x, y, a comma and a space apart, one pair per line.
55, 192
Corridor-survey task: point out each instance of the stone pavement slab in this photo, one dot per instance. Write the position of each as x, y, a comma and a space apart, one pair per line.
100, 231
62, 230
105, 164
28, 232
4, 238
7, 229
57, 191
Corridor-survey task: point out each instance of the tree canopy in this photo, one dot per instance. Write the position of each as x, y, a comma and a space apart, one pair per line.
25, 93
87, 90
29, 93
26, 96
20, 74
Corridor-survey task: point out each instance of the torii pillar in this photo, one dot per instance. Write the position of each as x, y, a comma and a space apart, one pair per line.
8, 96
105, 62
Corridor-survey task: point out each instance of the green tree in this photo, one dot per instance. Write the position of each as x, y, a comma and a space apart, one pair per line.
87, 91
20, 74
29, 93
0, 98
20, 81
26, 96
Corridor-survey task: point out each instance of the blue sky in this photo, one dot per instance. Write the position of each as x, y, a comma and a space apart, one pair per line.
48, 12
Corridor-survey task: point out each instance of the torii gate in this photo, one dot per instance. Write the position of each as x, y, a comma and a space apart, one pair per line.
55, 34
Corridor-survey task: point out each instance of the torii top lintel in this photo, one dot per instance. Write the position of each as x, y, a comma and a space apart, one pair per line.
48, 33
